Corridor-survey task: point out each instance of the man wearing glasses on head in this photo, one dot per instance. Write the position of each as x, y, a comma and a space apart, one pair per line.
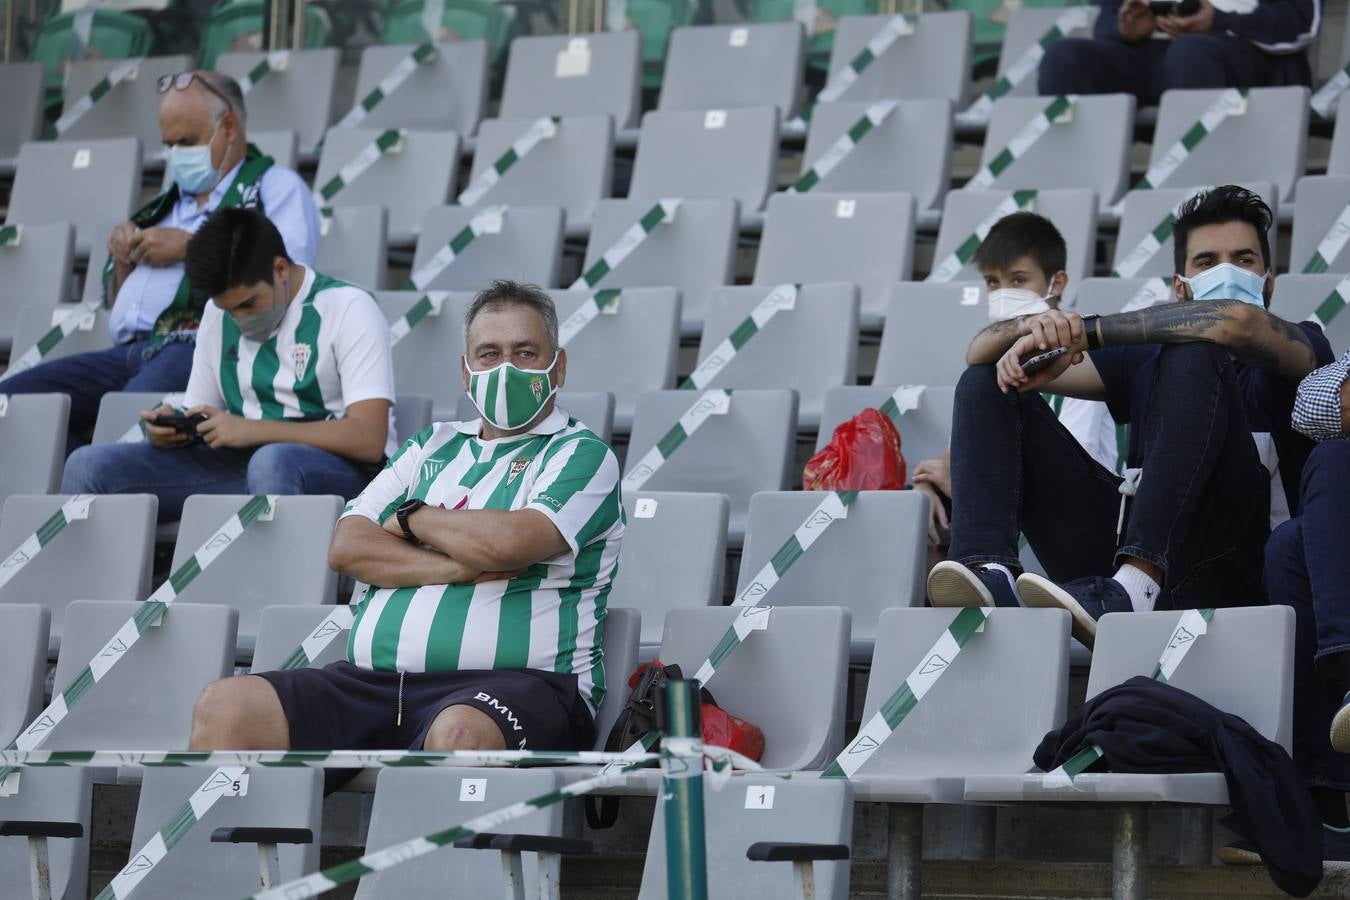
155, 314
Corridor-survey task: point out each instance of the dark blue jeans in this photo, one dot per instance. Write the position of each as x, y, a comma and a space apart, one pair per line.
176, 474
1201, 512
1308, 568
86, 377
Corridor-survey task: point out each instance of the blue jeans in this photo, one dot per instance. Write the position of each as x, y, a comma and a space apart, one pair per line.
175, 474
1308, 568
86, 377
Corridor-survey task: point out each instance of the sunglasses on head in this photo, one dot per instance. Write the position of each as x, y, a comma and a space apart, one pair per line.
183, 80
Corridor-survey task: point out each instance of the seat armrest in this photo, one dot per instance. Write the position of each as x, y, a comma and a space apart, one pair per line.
787, 851
20, 828
256, 835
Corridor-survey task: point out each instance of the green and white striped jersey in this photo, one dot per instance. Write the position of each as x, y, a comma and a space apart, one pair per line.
551, 616
330, 351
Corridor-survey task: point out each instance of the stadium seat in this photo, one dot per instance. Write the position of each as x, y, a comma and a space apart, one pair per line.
1089, 148
1105, 296
427, 360
627, 352
873, 559
130, 109
282, 627
573, 169
673, 555
33, 322
299, 97
819, 19
353, 246
574, 75
119, 413
447, 93
594, 409
527, 248
928, 328
34, 271
809, 348
21, 84
865, 238
694, 252
86, 183
1073, 211
32, 442
113, 34
732, 66
931, 62
285, 557
461, 20
1144, 211
761, 808
713, 154
107, 556
1321, 201
415, 176
1026, 26
412, 413
1338, 161
283, 146
910, 150
239, 25
1297, 297
925, 430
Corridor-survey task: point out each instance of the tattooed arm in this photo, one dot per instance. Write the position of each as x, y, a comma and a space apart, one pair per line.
994, 341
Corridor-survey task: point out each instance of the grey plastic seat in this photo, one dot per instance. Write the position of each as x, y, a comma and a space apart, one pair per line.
730, 66
1321, 200
717, 153
931, 62
528, 248
130, 109
872, 559
119, 411
623, 628
928, 328
298, 97
1338, 161
22, 84
1072, 210
427, 360
574, 75
809, 348
909, 151
33, 322
1090, 149
412, 413
35, 271
573, 169
594, 409
925, 430
754, 808
86, 183
283, 145
740, 452
1105, 296
1145, 210
286, 557
866, 238
408, 181
694, 252
353, 248
673, 555
282, 627
627, 352
446, 93
1297, 297
106, 556
1026, 25
33, 438
1267, 143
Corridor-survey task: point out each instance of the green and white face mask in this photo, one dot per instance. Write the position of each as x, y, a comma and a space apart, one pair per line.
509, 398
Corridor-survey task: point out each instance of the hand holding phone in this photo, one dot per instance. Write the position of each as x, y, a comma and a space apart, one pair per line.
1174, 7
180, 423
1041, 361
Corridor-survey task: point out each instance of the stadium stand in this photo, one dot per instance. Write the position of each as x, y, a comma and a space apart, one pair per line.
130, 109
301, 97
573, 169
83, 183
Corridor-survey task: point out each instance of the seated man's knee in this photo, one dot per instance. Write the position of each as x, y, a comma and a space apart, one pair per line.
1192, 356
1285, 545
1066, 67
463, 728
1194, 61
977, 380
235, 714
275, 469
81, 474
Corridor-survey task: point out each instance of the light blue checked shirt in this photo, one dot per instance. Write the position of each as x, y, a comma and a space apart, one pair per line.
1317, 408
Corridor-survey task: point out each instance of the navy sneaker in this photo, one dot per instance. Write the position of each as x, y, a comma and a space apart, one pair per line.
954, 584
1087, 599
1340, 727
1335, 848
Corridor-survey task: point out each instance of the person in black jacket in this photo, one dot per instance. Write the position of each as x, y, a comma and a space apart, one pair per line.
1224, 43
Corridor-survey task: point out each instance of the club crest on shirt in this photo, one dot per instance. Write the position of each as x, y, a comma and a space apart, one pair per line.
248, 197
537, 385
300, 355
517, 466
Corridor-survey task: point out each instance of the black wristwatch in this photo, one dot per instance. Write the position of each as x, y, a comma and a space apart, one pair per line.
406, 509
1090, 329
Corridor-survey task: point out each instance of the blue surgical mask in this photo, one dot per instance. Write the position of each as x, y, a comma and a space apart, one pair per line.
1228, 282
191, 168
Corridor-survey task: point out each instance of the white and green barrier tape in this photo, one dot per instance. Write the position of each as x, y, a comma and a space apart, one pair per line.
1324, 101
124, 72
73, 510
81, 318
896, 27
661, 213
597, 304
951, 266
901, 703
390, 83
540, 130
1331, 245
276, 61
709, 403
388, 141
311, 759
11, 235
1073, 19
1149, 245
489, 221
905, 398
1058, 110
837, 152
1331, 307
136, 433
428, 305
783, 297
1153, 291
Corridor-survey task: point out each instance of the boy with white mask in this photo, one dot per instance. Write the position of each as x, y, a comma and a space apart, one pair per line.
1187, 525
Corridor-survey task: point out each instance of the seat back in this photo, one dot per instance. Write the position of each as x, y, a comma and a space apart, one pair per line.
1026, 26
412, 413
1297, 297
1338, 161
34, 322
1321, 200
353, 248
594, 409
21, 84
928, 328
282, 628
1105, 296
119, 412
574, 75
788, 679
932, 61
87, 183
33, 438
1072, 210
717, 153
1089, 148
427, 360
1145, 210
446, 93
528, 248
1243, 664
461, 20
732, 66
298, 97
35, 271
573, 169
416, 176
925, 430
130, 109
23, 655
623, 627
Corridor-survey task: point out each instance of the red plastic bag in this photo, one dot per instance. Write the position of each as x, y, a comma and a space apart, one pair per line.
722, 729
863, 455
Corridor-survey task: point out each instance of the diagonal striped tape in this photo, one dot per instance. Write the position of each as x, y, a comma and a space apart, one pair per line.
630, 240
428, 305
338, 622
78, 109
837, 152
1324, 101
895, 28
540, 130
487, 221
957, 260
82, 316
905, 398
1151, 243
73, 510
596, 304
1331, 244
276, 61
136, 432
900, 704
389, 141
1057, 110
11, 235
1153, 291
390, 83
783, 297
750, 619
1074, 19
1331, 307
709, 403
312, 759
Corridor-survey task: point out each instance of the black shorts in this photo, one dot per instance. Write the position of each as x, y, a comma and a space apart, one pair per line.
341, 707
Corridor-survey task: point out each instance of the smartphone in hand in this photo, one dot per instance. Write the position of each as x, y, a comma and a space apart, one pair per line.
1040, 361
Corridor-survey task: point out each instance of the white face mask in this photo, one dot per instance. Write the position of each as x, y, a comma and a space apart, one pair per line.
1009, 303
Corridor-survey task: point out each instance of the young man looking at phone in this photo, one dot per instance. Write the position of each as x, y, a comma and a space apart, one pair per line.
1188, 524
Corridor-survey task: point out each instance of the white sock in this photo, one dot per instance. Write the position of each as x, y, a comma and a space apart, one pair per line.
1007, 573
1142, 589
